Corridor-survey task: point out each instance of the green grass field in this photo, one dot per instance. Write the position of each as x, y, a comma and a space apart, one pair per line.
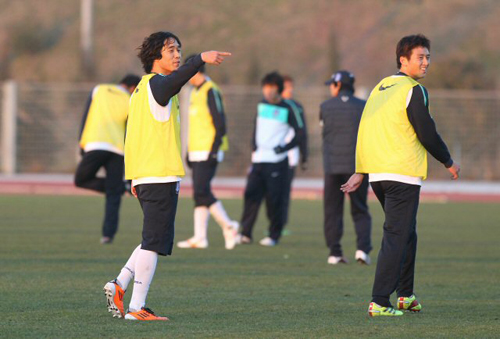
52, 270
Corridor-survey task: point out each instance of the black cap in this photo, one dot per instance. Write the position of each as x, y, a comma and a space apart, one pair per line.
344, 77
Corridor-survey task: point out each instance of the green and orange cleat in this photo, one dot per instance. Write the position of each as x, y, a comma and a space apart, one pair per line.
409, 304
375, 310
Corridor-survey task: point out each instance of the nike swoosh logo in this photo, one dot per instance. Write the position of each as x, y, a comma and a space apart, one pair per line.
382, 88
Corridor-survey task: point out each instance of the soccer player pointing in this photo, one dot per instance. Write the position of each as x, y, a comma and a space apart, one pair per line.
395, 133
153, 162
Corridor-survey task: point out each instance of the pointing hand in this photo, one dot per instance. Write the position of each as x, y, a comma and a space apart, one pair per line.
214, 57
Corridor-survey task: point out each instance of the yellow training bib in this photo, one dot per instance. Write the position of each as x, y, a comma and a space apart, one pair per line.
387, 142
153, 142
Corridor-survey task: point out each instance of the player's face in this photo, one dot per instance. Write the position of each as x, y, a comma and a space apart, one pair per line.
197, 79
287, 90
334, 89
271, 93
170, 56
416, 67
131, 89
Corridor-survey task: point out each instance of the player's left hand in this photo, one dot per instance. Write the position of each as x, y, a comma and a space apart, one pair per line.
134, 192
214, 57
455, 171
213, 158
303, 165
353, 183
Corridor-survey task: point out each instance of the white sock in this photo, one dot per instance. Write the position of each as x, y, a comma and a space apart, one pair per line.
219, 213
127, 272
145, 266
201, 216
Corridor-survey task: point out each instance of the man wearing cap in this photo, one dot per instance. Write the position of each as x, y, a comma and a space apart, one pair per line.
339, 118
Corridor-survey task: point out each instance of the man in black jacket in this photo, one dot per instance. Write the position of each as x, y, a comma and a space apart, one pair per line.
339, 117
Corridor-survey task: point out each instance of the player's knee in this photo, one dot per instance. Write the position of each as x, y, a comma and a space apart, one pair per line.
78, 181
117, 189
204, 199
201, 201
252, 195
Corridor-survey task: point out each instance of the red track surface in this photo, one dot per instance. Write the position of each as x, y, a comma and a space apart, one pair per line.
66, 188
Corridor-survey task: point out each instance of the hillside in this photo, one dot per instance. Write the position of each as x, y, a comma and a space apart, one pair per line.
309, 39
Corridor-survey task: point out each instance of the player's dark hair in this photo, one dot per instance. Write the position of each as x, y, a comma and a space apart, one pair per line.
273, 78
287, 78
151, 48
346, 87
190, 57
130, 80
408, 43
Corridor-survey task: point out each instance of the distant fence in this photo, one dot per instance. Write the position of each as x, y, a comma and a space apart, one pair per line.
40, 122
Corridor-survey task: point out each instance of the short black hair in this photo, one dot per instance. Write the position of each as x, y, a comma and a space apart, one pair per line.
151, 48
191, 56
346, 87
408, 43
287, 78
274, 78
130, 80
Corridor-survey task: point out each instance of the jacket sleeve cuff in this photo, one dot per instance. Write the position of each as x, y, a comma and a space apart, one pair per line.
198, 61
449, 163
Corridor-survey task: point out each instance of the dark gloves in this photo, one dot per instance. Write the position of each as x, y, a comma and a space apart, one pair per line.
279, 149
212, 158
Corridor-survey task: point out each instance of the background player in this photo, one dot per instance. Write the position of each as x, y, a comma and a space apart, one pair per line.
298, 153
339, 118
102, 136
268, 174
206, 145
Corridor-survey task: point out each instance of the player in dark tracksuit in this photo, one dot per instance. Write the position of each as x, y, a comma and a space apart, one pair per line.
268, 174
339, 118
299, 153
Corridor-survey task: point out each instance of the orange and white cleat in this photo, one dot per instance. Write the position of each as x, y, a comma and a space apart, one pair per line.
114, 296
145, 314
230, 235
193, 243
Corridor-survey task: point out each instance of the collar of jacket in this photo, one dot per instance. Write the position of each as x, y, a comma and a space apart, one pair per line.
345, 92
